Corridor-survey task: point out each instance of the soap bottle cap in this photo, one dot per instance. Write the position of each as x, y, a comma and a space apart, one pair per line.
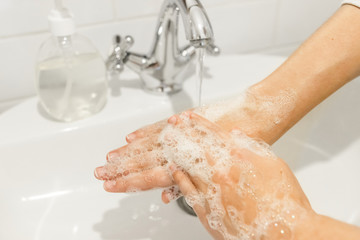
61, 22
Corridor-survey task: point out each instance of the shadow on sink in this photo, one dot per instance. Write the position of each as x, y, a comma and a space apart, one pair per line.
326, 132
144, 216
116, 83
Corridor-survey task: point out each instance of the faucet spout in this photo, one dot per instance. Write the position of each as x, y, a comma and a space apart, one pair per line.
197, 25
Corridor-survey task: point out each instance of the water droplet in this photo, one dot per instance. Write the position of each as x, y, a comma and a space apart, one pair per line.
154, 208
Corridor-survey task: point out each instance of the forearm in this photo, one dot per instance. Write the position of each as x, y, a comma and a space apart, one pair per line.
325, 62
324, 228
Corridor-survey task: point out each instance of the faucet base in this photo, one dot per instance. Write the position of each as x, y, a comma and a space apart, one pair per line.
163, 89
166, 66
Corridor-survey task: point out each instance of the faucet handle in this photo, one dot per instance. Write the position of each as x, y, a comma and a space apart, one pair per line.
118, 51
129, 41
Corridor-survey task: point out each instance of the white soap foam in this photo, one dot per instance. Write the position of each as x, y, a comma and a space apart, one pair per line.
192, 146
203, 153
173, 193
264, 111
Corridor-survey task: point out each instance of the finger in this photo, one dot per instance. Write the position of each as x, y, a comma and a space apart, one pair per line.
170, 194
192, 196
134, 150
154, 178
178, 118
114, 155
146, 131
174, 120
183, 181
197, 119
136, 157
101, 174
140, 133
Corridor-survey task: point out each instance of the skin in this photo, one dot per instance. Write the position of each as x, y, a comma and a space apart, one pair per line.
265, 180
329, 59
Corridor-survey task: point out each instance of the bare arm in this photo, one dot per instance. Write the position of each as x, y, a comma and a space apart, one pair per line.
269, 212
324, 63
321, 227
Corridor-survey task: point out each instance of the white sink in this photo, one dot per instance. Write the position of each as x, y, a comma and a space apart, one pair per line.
47, 188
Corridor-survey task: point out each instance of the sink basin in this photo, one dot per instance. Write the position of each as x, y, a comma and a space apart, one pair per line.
46, 177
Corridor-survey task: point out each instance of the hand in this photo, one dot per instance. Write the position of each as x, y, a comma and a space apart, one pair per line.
242, 192
313, 74
237, 187
138, 165
142, 156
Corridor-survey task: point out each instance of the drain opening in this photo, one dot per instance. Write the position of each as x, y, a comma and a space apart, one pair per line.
185, 207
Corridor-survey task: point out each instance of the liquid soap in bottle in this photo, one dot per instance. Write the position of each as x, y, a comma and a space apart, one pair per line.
71, 74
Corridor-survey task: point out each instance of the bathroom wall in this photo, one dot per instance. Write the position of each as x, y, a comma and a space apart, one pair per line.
241, 26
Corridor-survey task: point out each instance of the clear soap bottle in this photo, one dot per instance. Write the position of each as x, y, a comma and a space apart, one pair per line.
71, 74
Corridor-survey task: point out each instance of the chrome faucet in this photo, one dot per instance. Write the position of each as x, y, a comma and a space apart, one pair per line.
163, 70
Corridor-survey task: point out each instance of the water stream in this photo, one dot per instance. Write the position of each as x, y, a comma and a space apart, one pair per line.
200, 54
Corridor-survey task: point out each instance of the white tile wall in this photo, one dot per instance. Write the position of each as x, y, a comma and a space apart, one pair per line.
17, 58
129, 9
29, 16
239, 25
299, 19
23, 16
90, 11
244, 26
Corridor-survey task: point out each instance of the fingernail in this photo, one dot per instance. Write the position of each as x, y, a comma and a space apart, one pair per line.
113, 156
96, 174
172, 120
173, 168
100, 173
131, 137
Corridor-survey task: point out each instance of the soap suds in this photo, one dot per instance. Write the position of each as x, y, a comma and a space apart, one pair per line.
215, 158
250, 110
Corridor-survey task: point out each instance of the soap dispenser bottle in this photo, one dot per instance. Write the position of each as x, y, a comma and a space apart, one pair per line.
71, 74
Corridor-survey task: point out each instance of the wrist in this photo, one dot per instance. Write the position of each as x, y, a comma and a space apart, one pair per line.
308, 227
257, 113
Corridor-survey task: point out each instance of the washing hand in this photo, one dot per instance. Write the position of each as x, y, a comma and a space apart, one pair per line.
256, 115
324, 63
137, 165
251, 113
237, 187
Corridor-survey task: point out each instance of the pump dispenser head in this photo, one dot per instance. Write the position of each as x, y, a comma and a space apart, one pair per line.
61, 20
